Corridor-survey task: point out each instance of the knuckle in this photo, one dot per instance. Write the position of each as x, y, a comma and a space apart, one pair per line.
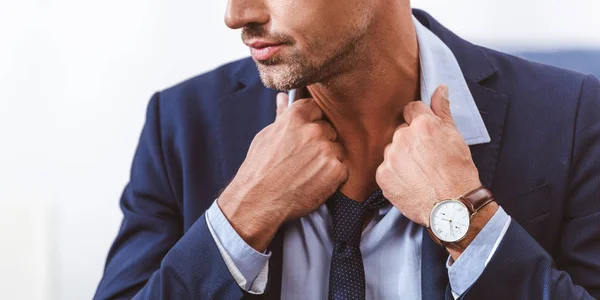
391, 159
338, 149
420, 120
314, 130
324, 147
410, 105
295, 112
424, 121
398, 134
341, 171
303, 102
305, 105
380, 173
328, 130
333, 165
310, 103
387, 152
338, 166
419, 104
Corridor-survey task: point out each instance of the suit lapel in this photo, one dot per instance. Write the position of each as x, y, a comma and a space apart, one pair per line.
242, 115
492, 107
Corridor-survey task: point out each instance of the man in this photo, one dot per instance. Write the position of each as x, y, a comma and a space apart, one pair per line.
358, 191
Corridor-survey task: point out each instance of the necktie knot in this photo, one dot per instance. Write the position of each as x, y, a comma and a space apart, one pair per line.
348, 215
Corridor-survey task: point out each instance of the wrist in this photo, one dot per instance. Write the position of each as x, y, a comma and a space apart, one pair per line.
479, 220
248, 217
458, 189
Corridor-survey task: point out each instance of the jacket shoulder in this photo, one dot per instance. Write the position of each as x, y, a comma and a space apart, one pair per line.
196, 101
527, 76
219, 82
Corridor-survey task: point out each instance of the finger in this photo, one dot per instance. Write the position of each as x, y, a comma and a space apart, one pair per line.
415, 109
339, 150
282, 103
342, 173
328, 130
440, 104
308, 109
386, 151
403, 125
345, 174
399, 132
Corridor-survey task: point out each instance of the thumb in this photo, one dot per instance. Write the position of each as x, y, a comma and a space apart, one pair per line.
440, 104
282, 103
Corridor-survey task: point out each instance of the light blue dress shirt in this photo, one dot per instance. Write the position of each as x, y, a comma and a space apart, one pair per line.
391, 243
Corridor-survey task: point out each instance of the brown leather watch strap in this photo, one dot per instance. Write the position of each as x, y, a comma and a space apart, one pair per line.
477, 199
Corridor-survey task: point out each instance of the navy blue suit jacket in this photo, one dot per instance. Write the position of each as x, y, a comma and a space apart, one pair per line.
542, 164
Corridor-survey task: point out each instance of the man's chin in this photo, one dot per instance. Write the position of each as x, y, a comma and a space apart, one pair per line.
280, 77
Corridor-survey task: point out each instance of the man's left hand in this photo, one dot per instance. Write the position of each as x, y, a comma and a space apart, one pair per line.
427, 161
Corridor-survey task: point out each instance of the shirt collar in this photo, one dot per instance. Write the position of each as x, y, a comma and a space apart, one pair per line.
439, 66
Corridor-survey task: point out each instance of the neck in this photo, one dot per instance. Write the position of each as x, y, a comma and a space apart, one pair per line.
365, 104
370, 98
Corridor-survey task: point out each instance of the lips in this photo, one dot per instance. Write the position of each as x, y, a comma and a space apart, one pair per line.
263, 50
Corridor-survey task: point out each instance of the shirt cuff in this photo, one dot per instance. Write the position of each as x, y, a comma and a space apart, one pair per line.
248, 267
471, 263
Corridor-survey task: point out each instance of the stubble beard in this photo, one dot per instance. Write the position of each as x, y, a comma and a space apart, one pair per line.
296, 70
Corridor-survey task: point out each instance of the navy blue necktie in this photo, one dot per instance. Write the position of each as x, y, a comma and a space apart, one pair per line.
347, 274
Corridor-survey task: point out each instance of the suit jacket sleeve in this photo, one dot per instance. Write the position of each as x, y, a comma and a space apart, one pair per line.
521, 268
151, 257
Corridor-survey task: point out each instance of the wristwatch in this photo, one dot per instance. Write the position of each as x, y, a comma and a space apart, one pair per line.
449, 221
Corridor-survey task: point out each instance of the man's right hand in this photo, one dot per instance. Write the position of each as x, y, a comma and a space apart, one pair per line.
292, 167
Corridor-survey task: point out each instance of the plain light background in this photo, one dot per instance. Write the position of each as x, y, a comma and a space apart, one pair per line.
75, 78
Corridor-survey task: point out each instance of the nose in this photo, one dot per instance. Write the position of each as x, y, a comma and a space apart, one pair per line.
240, 13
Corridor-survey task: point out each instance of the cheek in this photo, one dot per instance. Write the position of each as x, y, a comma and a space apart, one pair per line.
313, 24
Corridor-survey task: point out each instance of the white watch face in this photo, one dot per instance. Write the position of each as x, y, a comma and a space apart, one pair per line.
450, 220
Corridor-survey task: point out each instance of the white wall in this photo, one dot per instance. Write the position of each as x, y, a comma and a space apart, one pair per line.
75, 77
520, 24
